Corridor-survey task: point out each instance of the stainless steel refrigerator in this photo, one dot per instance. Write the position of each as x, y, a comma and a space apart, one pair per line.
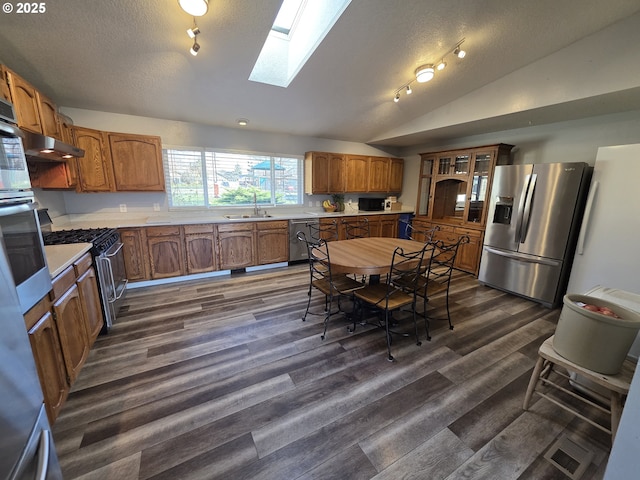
532, 225
26, 444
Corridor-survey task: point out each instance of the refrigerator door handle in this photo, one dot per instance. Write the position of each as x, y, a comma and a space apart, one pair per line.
586, 219
521, 204
526, 216
520, 258
43, 455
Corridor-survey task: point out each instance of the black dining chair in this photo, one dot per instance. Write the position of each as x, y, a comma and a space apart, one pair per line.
327, 231
399, 290
425, 235
437, 276
358, 228
334, 287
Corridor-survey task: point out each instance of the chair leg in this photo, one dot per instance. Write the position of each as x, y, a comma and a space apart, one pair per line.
386, 324
448, 314
426, 318
304, 317
415, 323
327, 315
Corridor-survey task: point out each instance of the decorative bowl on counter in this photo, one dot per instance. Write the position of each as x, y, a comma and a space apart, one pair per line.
329, 208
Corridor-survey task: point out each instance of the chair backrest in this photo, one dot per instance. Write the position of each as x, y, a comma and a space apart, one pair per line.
406, 268
358, 228
421, 234
444, 258
319, 265
323, 231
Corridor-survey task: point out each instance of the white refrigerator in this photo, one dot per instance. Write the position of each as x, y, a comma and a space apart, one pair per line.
607, 254
607, 265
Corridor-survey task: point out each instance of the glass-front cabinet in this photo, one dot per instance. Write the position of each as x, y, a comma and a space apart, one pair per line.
454, 193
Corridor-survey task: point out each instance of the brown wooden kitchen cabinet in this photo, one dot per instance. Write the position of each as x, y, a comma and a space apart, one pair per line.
272, 242
48, 112
90, 298
166, 251
236, 245
47, 353
25, 102
325, 173
135, 253
137, 162
396, 172
200, 247
389, 225
453, 192
378, 173
328, 173
95, 171
69, 317
5, 93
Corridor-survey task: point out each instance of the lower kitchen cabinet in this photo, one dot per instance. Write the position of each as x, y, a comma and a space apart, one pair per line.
272, 242
468, 257
166, 251
135, 253
200, 247
62, 327
69, 317
389, 225
90, 297
47, 353
236, 245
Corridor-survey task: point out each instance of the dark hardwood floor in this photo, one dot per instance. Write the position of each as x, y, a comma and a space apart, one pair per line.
220, 378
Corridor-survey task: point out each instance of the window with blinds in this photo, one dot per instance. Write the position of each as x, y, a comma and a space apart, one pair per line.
210, 178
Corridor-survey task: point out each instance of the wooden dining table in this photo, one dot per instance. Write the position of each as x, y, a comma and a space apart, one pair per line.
367, 256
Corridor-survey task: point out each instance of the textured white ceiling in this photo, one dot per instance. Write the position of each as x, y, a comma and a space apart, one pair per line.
132, 57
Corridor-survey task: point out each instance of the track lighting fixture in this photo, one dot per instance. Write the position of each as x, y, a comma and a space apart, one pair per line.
195, 8
195, 48
426, 72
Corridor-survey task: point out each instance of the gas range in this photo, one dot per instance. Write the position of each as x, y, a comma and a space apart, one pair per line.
102, 238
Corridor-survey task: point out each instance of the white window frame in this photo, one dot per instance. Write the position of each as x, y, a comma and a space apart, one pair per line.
205, 162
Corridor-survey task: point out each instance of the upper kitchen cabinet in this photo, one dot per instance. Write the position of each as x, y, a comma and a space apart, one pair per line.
137, 162
48, 116
5, 93
118, 162
396, 172
25, 102
327, 173
378, 173
95, 171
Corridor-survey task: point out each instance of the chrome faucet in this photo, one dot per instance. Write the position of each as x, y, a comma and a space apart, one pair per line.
255, 205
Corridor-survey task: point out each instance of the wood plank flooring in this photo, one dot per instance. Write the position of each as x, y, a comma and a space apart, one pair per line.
220, 378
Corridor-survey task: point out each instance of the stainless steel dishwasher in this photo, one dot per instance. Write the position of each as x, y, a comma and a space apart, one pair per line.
297, 249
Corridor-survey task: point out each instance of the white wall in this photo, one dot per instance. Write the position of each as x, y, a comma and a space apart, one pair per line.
574, 141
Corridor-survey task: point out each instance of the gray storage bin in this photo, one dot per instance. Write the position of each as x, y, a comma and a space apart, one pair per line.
593, 340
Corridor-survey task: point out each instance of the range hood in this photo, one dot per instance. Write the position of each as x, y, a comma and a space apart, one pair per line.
41, 148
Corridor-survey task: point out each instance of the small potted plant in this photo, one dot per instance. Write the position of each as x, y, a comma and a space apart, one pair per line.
338, 201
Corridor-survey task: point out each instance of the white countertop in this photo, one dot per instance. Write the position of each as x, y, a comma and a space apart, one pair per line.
114, 220
59, 257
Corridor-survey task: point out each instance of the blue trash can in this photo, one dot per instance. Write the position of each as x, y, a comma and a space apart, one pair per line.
403, 225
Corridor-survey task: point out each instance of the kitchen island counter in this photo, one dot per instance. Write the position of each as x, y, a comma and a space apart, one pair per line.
60, 257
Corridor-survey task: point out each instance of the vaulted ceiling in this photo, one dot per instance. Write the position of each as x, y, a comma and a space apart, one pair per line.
132, 57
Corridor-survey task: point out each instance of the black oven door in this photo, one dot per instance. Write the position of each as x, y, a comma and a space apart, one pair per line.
22, 241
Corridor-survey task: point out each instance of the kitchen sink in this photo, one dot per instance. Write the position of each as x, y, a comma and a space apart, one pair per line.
238, 217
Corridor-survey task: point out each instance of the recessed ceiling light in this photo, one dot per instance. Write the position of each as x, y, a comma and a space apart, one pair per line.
243, 122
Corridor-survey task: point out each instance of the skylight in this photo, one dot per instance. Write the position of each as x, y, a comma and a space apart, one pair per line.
298, 29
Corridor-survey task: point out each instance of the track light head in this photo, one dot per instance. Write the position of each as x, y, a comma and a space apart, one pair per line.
425, 73
193, 31
458, 52
408, 90
441, 65
397, 97
195, 48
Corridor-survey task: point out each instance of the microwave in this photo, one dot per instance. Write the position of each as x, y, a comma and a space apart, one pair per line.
14, 173
371, 204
